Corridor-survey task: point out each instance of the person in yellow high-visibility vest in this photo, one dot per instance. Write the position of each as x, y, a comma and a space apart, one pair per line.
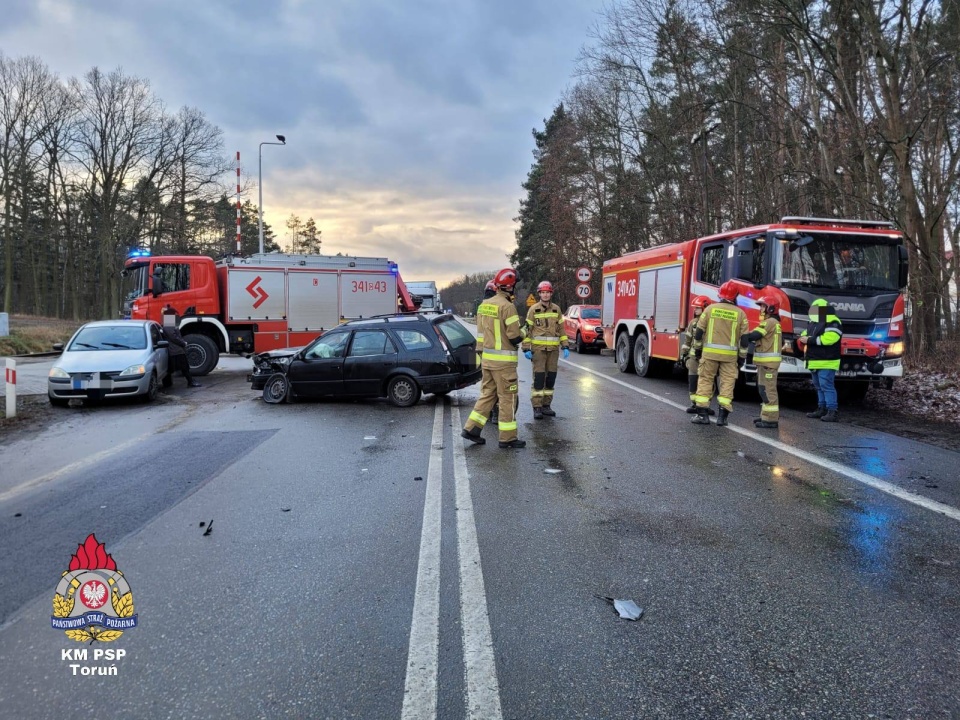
719, 329
546, 340
766, 356
499, 325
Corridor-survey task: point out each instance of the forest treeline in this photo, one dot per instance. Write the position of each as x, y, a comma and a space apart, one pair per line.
693, 117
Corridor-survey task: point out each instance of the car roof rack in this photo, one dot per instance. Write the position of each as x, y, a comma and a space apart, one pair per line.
791, 220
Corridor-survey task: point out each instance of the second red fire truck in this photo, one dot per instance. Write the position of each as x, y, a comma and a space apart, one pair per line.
261, 302
858, 266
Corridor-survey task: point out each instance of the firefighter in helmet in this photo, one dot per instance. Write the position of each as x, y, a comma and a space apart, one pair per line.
820, 344
545, 341
499, 325
767, 340
488, 292
687, 350
719, 329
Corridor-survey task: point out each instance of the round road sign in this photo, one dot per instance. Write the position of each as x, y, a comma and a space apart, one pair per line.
584, 274
583, 291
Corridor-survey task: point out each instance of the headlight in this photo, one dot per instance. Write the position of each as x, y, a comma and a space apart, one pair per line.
134, 370
56, 372
895, 349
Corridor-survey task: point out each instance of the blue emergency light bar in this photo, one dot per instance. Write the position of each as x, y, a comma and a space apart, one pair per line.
138, 252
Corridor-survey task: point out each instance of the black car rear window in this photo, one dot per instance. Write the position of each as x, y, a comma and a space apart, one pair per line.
455, 333
413, 339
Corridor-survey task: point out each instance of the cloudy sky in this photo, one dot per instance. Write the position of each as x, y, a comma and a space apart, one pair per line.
407, 121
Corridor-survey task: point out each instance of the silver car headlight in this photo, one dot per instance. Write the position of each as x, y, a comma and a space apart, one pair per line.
134, 370
56, 372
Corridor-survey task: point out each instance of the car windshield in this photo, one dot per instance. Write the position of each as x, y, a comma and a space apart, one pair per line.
109, 337
837, 261
590, 313
456, 334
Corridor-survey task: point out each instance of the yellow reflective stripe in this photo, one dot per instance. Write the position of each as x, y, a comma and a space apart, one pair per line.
478, 418
536, 393
701, 398
547, 315
548, 391
719, 350
761, 329
512, 320
769, 408
546, 343
493, 356
507, 426
563, 338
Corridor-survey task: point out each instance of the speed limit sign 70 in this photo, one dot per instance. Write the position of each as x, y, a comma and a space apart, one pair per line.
583, 275
583, 291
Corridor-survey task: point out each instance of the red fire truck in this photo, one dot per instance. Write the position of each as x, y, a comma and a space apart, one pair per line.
858, 266
261, 302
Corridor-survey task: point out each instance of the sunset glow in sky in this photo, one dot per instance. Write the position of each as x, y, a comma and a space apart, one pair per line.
407, 124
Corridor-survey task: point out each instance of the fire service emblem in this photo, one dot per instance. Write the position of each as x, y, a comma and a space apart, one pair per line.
93, 600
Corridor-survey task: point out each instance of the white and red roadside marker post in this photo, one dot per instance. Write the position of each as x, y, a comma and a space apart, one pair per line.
11, 378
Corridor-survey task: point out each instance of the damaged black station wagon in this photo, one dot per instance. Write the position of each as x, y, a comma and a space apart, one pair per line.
395, 356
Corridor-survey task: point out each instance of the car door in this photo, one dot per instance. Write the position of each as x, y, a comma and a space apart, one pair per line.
161, 357
370, 359
571, 322
318, 369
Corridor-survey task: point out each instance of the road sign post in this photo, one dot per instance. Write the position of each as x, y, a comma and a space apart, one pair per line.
11, 379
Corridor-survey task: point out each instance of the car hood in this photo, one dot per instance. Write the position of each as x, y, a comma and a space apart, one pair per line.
280, 353
102, 360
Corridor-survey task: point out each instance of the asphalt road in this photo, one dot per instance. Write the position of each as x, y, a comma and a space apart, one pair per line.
363, 563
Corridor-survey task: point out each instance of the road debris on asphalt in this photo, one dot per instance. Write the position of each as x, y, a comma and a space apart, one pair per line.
627, 609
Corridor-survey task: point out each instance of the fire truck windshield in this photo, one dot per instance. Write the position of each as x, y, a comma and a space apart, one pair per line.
836, 261
135, 279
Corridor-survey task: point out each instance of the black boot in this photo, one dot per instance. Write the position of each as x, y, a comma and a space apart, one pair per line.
767, 424
193, 383
473, 436
692, 410
722, 417
548, 411
818, 413
701, 418
830, 416
513, 444
538, 413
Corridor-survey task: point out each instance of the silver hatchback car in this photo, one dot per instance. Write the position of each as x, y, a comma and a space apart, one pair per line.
111, 358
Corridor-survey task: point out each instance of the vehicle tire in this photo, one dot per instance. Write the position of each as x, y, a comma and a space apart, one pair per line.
58, 402
642, 362
852, 392
624, 352
202, 354
152, 389
581, 347
403, 391
276, 389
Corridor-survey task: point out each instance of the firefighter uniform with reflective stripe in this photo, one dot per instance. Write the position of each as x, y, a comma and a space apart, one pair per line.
499, 325
766, 357
719, 329
545, 337
689, 352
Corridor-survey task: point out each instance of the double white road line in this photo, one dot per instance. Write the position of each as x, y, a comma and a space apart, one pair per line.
420, 690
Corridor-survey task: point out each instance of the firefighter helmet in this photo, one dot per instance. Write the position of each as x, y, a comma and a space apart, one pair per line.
545, 286
771, 303
729, 291
506, 278
700, 301
490, 286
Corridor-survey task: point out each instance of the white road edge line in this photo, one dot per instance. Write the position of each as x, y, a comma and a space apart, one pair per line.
861, 477
480, 667
420, 687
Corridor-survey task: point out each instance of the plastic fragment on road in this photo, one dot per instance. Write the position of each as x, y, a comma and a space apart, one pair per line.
552, 471
626, 609
369, 437
209, 528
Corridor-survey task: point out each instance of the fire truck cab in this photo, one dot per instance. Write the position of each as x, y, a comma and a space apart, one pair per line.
858, 266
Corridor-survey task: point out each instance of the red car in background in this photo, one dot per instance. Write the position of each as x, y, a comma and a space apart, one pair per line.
582, 326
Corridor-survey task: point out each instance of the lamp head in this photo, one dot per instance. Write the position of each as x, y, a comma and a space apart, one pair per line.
282, 139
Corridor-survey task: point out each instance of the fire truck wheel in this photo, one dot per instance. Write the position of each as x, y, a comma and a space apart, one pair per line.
403, 391
202, 354
642, 362
275, 391
624, 352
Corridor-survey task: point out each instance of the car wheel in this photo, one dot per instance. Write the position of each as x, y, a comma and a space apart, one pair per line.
152, 389
202, 354
58, 402
581, 347
624, 352
275, 391
403, 391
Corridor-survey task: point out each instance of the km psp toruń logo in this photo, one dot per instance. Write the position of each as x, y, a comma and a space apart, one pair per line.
93, 602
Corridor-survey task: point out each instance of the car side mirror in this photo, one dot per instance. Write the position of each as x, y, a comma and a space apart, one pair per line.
58, 347
157, 286
904, 266
162, 344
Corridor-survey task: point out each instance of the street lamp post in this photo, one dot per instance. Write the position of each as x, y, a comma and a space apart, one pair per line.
283, 141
